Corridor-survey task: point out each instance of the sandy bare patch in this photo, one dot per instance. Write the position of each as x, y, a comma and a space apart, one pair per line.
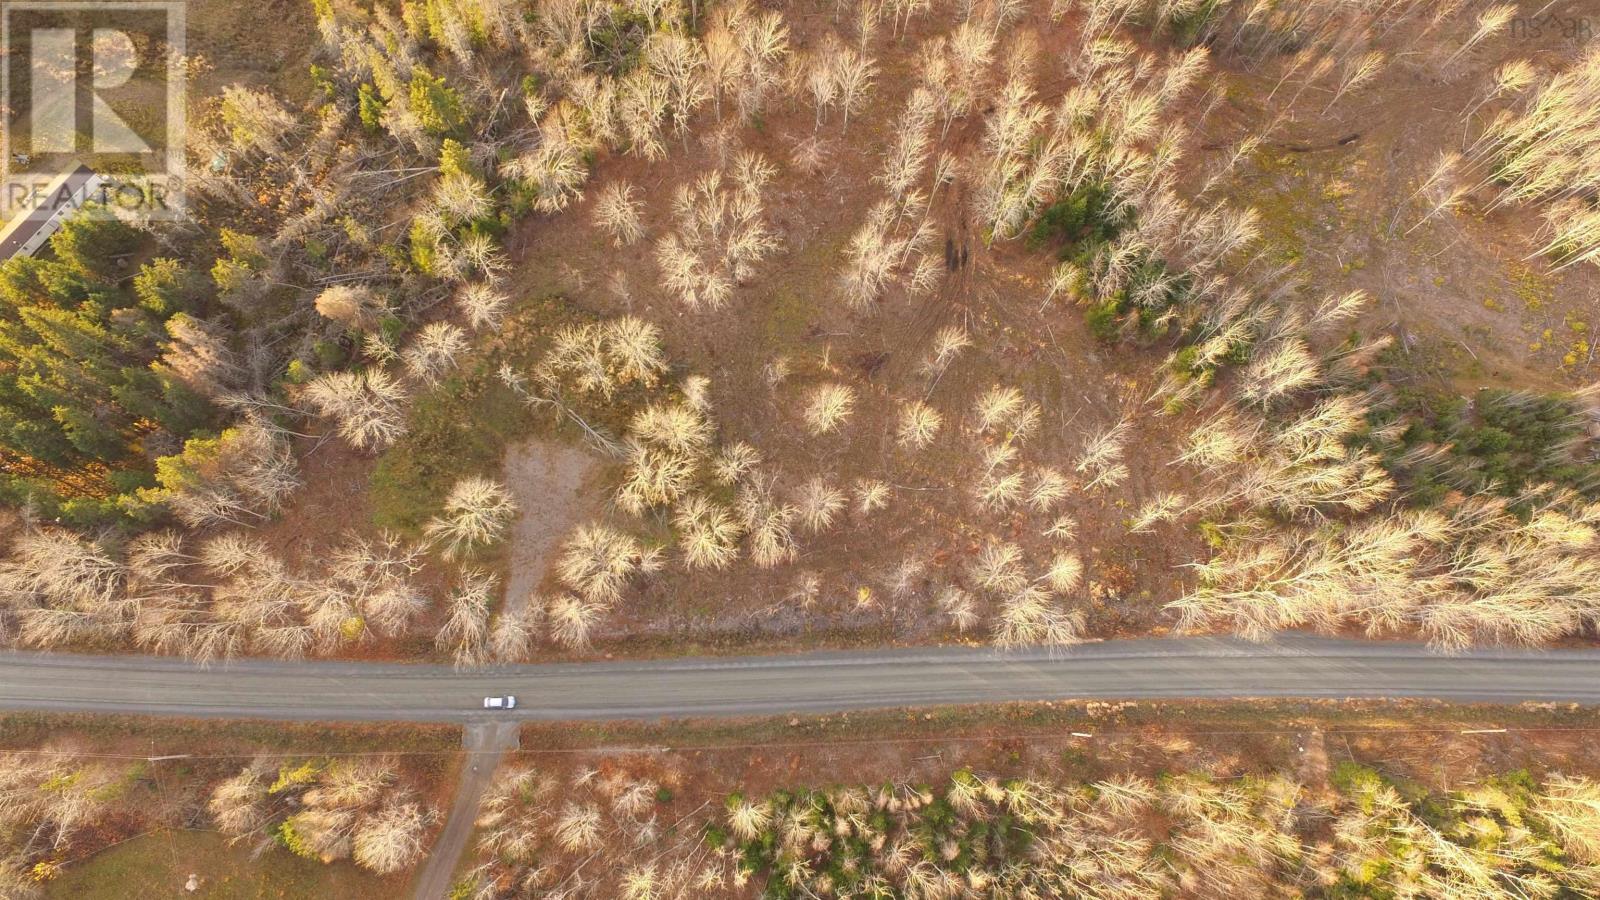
547, 479
1313, 767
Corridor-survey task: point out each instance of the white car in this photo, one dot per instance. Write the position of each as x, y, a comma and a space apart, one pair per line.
506, 702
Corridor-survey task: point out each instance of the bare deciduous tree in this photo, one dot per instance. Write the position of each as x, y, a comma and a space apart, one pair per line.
617, 212
828, 407
368, 405
475, 515
432, 354
719, 235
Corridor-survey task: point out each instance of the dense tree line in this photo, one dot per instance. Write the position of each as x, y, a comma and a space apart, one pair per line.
976, 835
104, 369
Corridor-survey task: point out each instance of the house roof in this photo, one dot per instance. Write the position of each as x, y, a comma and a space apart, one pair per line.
61, 195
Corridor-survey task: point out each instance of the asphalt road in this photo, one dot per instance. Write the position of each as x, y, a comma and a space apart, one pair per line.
1293, 666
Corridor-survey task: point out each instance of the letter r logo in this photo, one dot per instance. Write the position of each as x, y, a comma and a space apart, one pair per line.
56, 123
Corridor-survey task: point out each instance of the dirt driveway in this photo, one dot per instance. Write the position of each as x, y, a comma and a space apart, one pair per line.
547, 479
486, 745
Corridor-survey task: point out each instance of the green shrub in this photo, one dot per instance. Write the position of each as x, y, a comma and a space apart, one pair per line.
435, 103
1081, 222
1104, 319
1501, 441
370, 107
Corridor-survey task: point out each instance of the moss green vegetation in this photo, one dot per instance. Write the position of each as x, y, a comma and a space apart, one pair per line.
464, 426
460, 428
159, 865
